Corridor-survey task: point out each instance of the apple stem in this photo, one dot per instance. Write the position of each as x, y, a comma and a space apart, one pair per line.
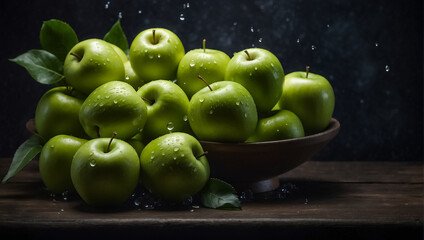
154, 36
110, 142
150, 102
204, 45
307, 71
248, 55
207, 84
76, 55
201, 155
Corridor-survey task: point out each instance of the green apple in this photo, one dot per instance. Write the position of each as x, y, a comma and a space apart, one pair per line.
137, 143
311, 97
167, 107
224, 112
173, 167
261, 73
55, 162
155, 54
279, 125
113, 107
91, 63
57, 113
208, 63
130, 76
105, 172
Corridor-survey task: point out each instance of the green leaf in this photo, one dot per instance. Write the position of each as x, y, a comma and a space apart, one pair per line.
58, 38
219, 195
24, 154
117, 36
43, 66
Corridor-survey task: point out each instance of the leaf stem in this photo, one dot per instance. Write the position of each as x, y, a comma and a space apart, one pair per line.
154, 36
76, 55
150, 102
201, 155
248, 55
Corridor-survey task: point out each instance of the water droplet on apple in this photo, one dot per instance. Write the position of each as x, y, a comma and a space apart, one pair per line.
237, 103
176, 149
256, 68
192, 64
151, 56
107, 96
182, 155
194, 169
201, 100
387, 68
245, 115
201, 65
211, 112
185, 118
92, 162
146, 51
278, 130
163, 164
107, 59
170, 126
114, 101
152, 157
250, 74
52, 146
272, 64
158, 55
214, 62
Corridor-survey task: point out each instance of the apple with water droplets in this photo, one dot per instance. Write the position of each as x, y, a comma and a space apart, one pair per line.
113, 107
261, 73
57, 112
223, 112
277, 125
91, 63
174, 167
208, 63
311, 97
105, 172
55, 162
167, 107
155, 54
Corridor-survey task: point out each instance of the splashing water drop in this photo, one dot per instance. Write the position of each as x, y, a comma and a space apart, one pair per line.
182, 18
313, 47
252, 29
387, 68
120, 15
107, 5
260, 40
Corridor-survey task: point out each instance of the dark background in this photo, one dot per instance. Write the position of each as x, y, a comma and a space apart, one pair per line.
370, 51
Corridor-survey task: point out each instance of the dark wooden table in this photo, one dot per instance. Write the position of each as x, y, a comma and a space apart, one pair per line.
318, 200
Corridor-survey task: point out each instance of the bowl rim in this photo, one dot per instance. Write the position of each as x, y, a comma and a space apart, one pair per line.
332, 130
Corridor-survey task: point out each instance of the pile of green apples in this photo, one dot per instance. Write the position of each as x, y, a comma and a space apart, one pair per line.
122, 119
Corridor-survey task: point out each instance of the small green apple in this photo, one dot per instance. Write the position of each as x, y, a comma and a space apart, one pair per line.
113, 107
57, 113
55, 162
173, 167
224, 112
130, 76
105, 172
91, 63
208, 63
167, 107
155, 54
261, 73
279, 125
311, 97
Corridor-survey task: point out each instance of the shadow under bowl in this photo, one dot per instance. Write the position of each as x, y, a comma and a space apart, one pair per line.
256, 166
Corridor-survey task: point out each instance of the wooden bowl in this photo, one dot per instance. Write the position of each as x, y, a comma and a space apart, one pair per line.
256, 166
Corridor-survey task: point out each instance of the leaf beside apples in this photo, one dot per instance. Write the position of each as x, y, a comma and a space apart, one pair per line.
43, 66
24, 154
57, 37
218, 194
117, 37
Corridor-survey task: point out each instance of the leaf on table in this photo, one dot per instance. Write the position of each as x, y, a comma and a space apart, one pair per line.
219, 195
24, 154
58, 38
43, 66
117, 37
